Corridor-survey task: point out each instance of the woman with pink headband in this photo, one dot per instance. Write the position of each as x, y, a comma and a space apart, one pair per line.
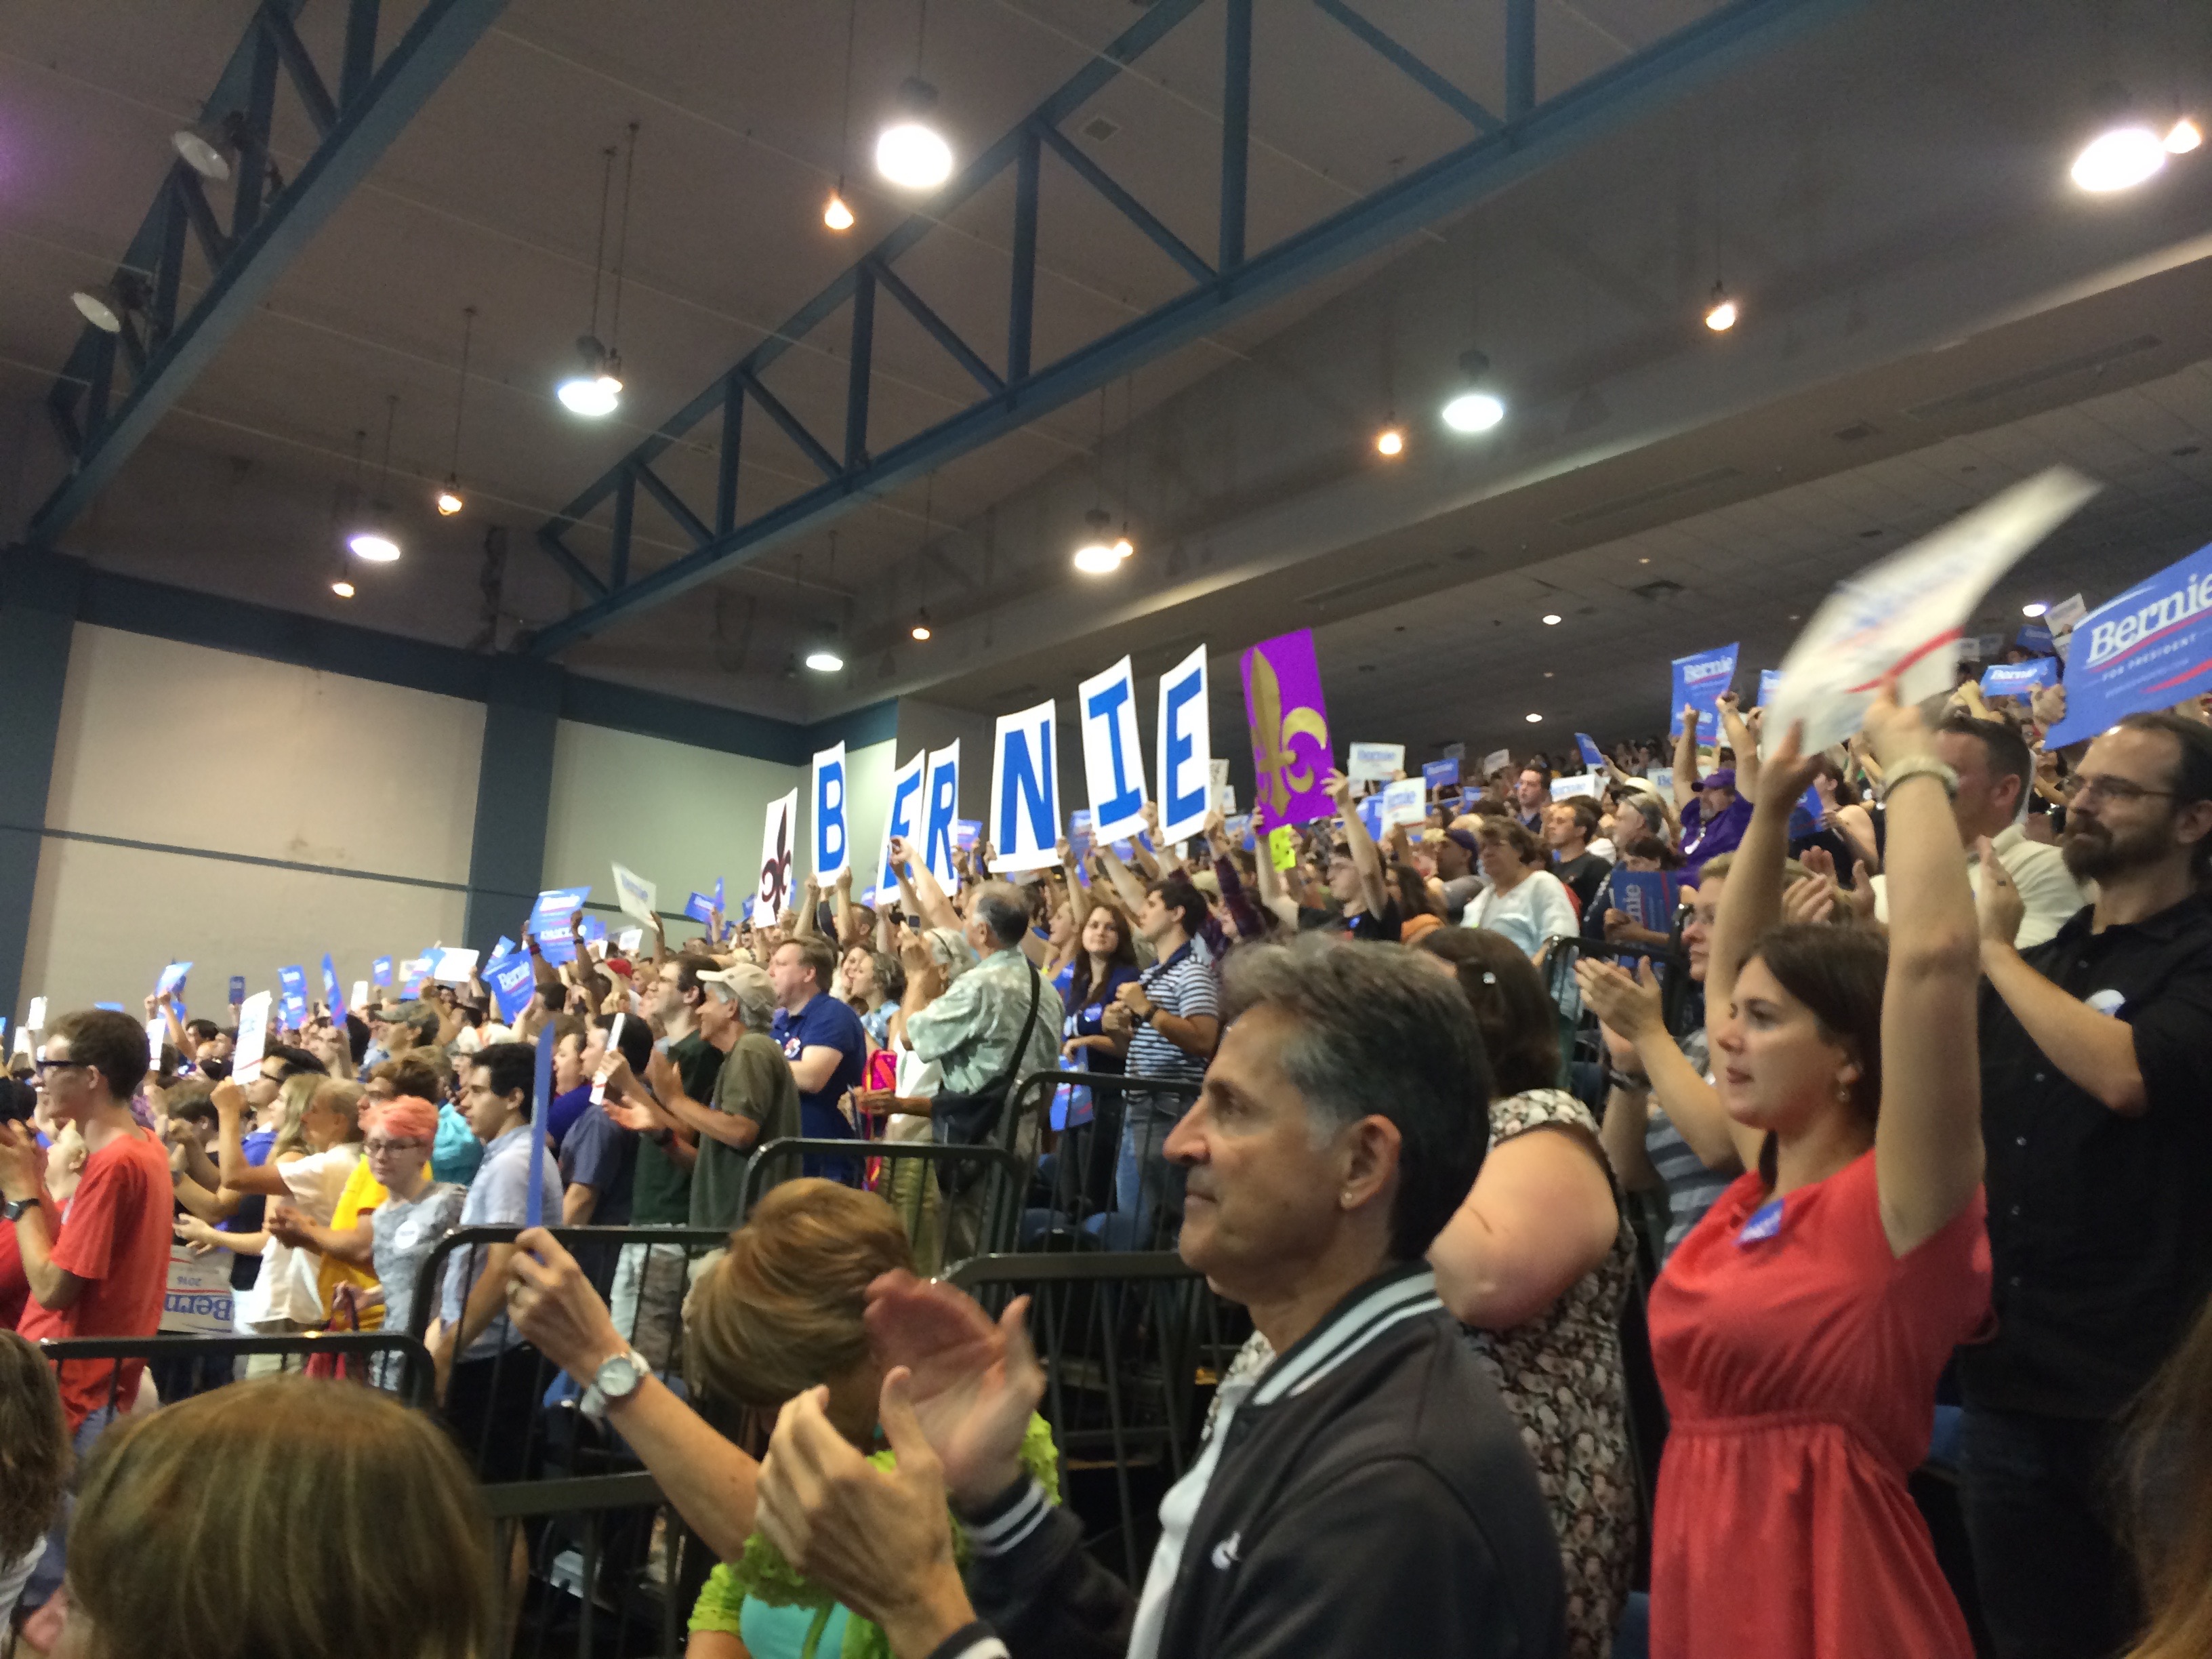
416, 1213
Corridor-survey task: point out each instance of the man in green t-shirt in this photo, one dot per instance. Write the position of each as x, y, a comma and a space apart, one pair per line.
755, 1098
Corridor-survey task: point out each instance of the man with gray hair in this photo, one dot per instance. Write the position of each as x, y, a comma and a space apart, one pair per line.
756, 1096
973, 1029
1368, 1491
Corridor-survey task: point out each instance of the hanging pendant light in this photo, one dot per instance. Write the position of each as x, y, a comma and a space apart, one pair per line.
836, 213
596, 390
374, 538
448, 500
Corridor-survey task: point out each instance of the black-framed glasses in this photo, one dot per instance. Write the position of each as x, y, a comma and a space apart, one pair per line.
2097, 785
47, 1066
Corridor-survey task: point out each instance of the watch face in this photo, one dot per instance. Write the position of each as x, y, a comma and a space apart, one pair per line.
619, 1377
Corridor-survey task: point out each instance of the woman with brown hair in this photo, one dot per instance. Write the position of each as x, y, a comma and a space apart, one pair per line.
2170, 1461
1524, 900
1537, 1264
34, 1464
1799, 1330
260, 1518
781, 1312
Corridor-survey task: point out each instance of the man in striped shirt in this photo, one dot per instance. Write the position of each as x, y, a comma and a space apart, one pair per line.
1167, 1023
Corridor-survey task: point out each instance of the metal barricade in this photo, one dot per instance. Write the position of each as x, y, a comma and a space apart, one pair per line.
1579, 1033
1132, 1343
954, 1201
1107, 1181
611, 1569
396, 1361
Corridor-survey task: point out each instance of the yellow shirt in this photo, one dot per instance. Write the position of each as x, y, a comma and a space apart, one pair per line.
363, 1193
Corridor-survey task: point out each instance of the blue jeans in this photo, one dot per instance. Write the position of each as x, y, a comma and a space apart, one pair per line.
46, 1578
2038, 1497
1147, 1188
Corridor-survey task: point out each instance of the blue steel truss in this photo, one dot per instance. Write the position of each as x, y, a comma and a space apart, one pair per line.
1504, 148
162, 352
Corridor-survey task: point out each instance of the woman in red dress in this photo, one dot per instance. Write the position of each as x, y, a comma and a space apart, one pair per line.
1800, 1328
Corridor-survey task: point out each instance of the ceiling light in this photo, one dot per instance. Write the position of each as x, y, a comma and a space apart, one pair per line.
910, 152
1097, 556
1551, 619
448, 499
920, 629
824, 661
2118, 160
835, 213
1535, 720
203, 148
342, 587
373, 544
1390, 441
2035, 609
2183, 135
1473, 412
597, 389
1721, 312
100, 307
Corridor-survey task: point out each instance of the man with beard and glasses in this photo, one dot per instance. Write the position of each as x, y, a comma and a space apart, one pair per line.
2093, 1051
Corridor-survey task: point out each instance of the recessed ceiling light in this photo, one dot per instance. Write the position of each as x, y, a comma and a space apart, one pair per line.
824, 661
1535, 719
1552, 619
373, 545
2034, 610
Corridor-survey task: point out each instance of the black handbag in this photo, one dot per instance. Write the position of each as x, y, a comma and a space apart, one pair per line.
966, 1117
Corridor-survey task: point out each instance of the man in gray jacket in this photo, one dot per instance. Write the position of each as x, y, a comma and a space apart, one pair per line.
1367, 1492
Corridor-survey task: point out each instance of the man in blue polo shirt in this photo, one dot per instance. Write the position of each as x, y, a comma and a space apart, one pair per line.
822, 1039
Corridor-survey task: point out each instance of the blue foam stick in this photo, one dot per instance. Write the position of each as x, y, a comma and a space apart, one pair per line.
534, 1211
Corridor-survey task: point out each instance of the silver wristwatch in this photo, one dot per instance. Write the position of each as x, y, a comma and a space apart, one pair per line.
621, 1376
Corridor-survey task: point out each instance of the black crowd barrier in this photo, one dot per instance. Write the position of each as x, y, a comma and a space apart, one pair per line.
954, 1201
1105, 1182
1132, 1343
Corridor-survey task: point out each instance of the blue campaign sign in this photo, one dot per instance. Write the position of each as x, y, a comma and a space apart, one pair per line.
833, 842
533, 1210
2149, 649
173, 978
700, 907
294, 983
237, 989
1025, 791
1593, 756
595, 930
1079, 837
511, 979
333, 994
1805, 816
1370, 814
2035, 636
380, 973
1646, 898
110, 1007
1438, 773
551, 919
1699, 679
1770, 682
720, 903
504, 948
2019, 680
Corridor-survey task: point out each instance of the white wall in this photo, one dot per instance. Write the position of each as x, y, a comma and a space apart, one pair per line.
202, 753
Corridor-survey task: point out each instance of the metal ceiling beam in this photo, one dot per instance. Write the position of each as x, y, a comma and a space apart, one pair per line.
1535, 134
267, 234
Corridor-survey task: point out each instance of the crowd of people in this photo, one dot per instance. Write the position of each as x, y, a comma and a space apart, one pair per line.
1891, 1103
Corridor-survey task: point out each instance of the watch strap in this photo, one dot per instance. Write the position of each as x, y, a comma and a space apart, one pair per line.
16, 1208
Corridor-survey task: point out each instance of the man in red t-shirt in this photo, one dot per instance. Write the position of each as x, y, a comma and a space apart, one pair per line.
102, 1270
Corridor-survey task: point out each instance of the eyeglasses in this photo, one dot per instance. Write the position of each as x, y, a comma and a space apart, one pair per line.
2096, 786
374, 1147
47, 1067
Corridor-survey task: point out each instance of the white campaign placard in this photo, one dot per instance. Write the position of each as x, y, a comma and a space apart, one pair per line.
1405, 801
253, 1037
833, 839
455, 965
774, 891
634, 895
359, 1003
157, 1034
1025, 791
1902, 615
1113, 763
2065, 616
1496, 760
1375, 763
37, 1022
940, 812
1568, 789
195, 1299
905, 820
1191, 779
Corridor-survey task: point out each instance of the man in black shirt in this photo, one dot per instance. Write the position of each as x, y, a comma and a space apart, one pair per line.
1355, 874
2099, 1147
1568, 827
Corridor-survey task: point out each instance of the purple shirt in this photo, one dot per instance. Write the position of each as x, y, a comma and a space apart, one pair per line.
1702, 840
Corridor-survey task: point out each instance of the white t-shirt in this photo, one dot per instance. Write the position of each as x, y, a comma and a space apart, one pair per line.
287, 1289
1537, 910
